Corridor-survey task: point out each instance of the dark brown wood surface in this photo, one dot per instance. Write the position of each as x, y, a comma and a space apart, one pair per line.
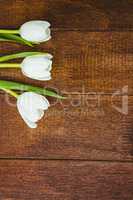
70, 14
89, 61
83, 147
66, 180
79, 128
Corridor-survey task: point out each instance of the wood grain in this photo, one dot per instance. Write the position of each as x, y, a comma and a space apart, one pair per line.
83, 147
65, 180
69, 14
83, 61
93, 127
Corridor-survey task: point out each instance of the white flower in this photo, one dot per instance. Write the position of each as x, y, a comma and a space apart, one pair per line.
37, 67
31, 107
36, 31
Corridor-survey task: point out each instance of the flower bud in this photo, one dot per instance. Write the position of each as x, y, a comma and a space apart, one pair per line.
36, 31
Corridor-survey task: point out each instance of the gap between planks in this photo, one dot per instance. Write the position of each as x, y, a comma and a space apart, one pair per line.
63, 160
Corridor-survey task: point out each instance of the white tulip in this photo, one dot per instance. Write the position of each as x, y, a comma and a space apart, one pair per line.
37, 67
31, 107
36, 31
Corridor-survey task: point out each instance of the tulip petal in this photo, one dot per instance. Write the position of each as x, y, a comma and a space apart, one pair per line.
36, 31
24, 116
37, 67
47, 55
44, 104
42, 78
31, 103
31, 107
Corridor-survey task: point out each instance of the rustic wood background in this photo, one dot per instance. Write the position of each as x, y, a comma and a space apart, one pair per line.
83, 148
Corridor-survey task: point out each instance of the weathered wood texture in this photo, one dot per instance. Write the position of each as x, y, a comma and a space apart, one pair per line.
84, 62
89, 61
94, 127
70, 14
65, 180
92, 45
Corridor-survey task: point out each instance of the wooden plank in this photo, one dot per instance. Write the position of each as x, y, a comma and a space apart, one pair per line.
69, 14
84, 61
51, 180
94, 127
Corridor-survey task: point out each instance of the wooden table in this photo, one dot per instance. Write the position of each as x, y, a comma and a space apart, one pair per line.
83, 147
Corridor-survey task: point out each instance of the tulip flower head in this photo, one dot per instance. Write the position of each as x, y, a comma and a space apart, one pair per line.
30, 33
36, 31
36, 66
31, 107
31, 104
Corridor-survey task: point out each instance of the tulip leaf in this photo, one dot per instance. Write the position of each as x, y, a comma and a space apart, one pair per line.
3, 39
19, 55
24, 87
15, 38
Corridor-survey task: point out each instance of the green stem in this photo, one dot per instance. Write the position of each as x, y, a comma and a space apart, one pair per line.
20, 55
24, 87
10, 65
12, 93
15, 38
9, 31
